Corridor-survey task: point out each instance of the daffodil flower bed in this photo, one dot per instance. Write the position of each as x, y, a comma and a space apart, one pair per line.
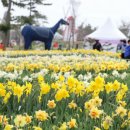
56, 52
81, 90
63, 63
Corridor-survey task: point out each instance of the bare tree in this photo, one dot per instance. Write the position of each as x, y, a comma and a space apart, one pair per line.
72, 12
125, 28
74, 6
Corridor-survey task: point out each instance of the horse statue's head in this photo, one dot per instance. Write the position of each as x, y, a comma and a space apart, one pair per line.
62, 21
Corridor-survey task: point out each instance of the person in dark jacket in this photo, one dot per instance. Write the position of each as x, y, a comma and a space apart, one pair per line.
97, 46
126, 54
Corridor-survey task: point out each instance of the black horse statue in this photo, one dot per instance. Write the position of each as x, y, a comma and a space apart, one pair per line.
43, 34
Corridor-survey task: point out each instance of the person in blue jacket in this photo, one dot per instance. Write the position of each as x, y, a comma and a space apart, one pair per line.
121, 46
126, 54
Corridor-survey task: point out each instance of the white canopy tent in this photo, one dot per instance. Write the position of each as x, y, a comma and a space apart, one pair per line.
107, 32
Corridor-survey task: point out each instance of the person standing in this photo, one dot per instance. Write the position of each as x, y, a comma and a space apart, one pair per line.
121, 46
126, 53
97, 46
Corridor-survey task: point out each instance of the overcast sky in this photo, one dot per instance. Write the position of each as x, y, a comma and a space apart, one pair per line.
94, 12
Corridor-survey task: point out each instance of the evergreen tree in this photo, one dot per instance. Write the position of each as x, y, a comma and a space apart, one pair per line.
34, 14
6, 25
83, 31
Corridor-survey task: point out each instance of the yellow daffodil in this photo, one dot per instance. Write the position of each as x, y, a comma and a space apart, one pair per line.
72, 123
41, 115
121, 111
51, 104
95, 113
8, 127
37, 128
72, 105
20, 121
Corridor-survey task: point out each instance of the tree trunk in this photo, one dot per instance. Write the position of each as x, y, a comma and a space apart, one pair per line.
6, 38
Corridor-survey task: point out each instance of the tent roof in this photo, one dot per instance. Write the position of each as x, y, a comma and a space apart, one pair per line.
107, 32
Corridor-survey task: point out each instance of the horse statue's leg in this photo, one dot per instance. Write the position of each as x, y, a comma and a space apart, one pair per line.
48, 45
27, 44
27, 34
